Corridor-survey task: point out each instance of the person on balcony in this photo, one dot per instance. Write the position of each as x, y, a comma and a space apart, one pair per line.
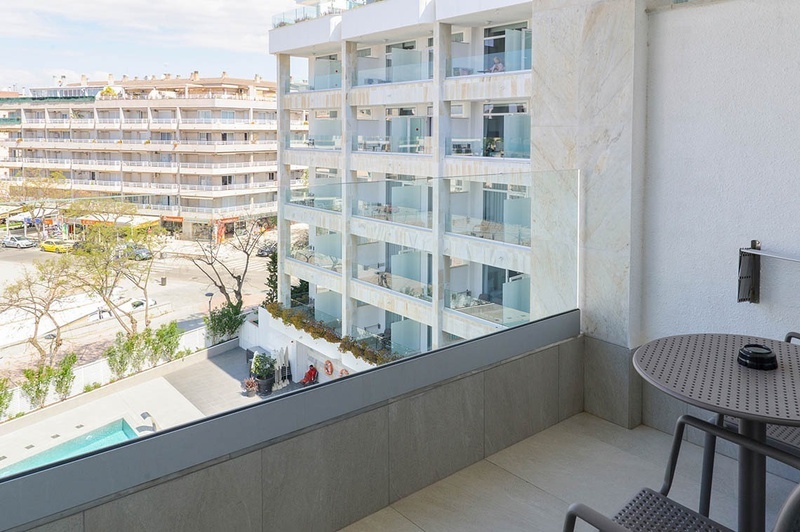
498, 66
310, 377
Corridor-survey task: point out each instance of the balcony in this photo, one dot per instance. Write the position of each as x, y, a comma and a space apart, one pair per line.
530, 485
316, 9
418, 145
494, 62
407, 66
325, 196
314, 142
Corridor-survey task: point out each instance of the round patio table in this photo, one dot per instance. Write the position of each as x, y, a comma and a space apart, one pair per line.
702, 370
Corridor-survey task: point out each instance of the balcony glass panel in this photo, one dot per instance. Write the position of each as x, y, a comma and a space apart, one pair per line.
303, 13
331, 321
508, 307
403, 202
326, 196
316, 246
401, 273
382, 341
404, 66
327, 75
510, 52
509, 138
483, 286
498, 212
313, 142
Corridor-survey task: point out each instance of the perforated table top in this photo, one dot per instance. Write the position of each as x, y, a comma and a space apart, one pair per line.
701, 369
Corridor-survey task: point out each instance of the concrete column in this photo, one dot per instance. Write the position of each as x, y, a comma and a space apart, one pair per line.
442, 37
284, 180
349, 128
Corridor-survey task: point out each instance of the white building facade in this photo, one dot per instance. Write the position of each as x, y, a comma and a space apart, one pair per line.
198, 153
424, 220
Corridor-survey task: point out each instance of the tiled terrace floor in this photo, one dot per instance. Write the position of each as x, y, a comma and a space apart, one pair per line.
529, 486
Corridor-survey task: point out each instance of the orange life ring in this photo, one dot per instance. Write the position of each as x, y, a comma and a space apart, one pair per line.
328, 367
343, 372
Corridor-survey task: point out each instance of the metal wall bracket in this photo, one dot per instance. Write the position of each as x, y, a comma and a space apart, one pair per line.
750, 270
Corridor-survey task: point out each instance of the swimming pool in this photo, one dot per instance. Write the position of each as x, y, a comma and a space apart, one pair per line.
115, 432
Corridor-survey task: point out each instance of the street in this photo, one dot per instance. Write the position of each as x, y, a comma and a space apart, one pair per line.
182, 299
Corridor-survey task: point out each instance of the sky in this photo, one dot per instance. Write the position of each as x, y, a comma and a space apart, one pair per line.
43, 39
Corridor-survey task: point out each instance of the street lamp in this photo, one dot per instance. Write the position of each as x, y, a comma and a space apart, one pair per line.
210, 296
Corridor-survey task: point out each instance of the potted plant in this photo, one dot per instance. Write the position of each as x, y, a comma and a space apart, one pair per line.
250, 386
264, 372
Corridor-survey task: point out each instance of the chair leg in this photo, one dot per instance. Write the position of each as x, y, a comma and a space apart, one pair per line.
709, 451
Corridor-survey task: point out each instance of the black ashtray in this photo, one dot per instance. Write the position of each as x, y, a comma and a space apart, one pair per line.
757, 356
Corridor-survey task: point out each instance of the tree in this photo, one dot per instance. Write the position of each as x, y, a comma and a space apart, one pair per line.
40, 194
223, 321
272, 278
37, 296
103, 260
213, 264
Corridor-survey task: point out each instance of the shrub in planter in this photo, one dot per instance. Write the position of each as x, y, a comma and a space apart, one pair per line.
167, 341
264, 372
224, 321
37, 384
5, 396
118, 356
64, 375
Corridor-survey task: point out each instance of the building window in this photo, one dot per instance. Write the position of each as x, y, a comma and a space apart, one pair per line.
227, 180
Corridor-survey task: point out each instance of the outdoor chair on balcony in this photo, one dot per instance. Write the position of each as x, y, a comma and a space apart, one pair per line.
653, 510
781, 437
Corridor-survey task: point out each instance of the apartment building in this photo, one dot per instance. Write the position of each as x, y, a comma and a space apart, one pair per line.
199, 153
418, 206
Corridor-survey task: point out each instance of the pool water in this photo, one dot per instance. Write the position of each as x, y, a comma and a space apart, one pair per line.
115, 432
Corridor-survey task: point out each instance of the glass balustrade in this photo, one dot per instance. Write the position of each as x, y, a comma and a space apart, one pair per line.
515, 56
379, 275
416, 144
334, 323
509, 145
327, 196
313, 142
381, 342
375, 71
402, 202
490, 306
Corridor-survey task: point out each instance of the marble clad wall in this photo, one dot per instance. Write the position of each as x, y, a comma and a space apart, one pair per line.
582, 115
586, 93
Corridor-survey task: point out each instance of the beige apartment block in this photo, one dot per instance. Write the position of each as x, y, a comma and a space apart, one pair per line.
198, 153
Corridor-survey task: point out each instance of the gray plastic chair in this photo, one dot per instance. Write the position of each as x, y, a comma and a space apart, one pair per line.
781, 437
652, 510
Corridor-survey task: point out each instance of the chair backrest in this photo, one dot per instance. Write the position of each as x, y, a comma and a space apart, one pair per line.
789, 518
792, 336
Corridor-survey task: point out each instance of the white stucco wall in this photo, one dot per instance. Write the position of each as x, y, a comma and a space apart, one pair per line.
722, 166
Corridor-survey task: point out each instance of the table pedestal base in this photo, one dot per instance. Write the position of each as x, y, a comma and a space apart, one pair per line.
752, 479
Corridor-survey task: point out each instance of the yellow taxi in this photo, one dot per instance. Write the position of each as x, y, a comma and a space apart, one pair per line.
57, 246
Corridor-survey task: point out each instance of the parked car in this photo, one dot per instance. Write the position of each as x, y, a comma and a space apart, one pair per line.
133, 252
57, 246
139, 303
266, 250
139, 253
12, 241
